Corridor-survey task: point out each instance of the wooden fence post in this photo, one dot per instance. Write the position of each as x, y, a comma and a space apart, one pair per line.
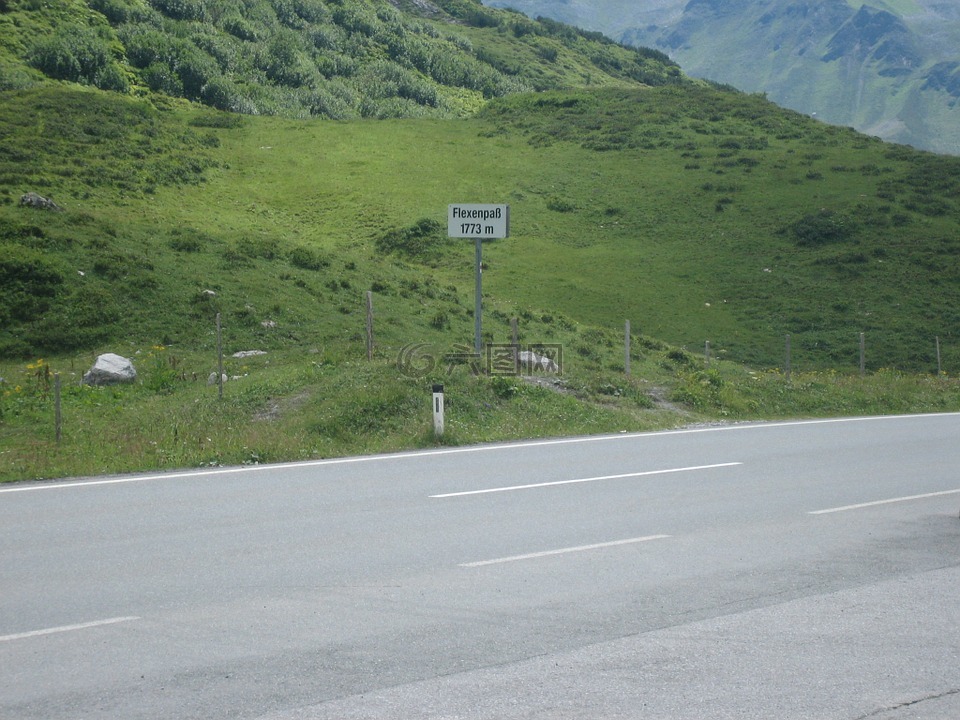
219, 358
863, 354
626, 348
788, 363
58, 416
369, 325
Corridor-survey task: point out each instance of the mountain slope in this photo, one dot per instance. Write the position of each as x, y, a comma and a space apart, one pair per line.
309, 58
699, 213
696, 211
889, 69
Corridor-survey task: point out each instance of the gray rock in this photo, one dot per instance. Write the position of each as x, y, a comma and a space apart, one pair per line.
110, 369
31, 199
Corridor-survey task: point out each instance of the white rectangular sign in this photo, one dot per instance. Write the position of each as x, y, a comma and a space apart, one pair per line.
478, 221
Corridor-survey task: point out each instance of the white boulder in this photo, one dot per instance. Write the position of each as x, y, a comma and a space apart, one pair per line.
110, 369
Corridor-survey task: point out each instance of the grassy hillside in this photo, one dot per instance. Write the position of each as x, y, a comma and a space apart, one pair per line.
309, 58
699, 213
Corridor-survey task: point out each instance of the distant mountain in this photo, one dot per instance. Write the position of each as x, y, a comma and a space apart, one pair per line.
890, 69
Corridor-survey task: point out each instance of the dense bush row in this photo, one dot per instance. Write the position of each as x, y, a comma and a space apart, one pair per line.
332, 58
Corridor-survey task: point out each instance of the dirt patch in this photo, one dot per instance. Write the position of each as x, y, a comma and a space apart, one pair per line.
278, 406
550, 383
660, 397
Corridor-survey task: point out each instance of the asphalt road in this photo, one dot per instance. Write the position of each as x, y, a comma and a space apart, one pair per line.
782, 570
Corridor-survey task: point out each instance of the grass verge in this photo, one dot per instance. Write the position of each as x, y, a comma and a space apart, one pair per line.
285, 407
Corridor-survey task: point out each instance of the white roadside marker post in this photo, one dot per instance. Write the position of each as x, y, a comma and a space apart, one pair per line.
438, 410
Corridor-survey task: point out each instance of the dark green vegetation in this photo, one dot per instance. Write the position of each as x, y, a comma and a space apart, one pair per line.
309, 58
699, 213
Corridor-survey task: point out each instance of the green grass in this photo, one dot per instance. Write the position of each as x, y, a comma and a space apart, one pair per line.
698, 213
708, 216
277, 407
287, 406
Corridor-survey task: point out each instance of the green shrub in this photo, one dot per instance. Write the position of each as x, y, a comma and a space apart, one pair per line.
334, 101
205, 303
221, 94
440, 321
113, 79
821, 228
29, 282
171, 65
382, 80
475, 17
504, 387
419, 239
181, 9
313, 11
548, 53
159, 77
146, 45
560, 205
118, 11
239, 27
84, 317
308, 259
185, 243
681, 357
161, 371
284, 61
699, 389
195, 69
73, 53
262, 248
20, 233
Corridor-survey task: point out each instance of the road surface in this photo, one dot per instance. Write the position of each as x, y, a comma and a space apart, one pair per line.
779, 570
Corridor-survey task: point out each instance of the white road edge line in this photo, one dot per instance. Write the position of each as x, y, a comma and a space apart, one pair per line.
859, 506
493, 447
66, 628
584, 480
562, 551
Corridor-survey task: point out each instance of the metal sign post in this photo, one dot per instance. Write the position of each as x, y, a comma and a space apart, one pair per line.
480, 222
478, 304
